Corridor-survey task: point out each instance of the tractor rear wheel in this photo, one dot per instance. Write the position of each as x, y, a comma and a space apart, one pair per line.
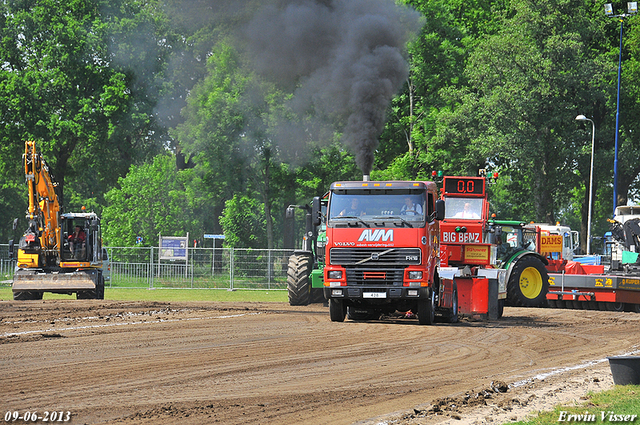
528, 284
298, 279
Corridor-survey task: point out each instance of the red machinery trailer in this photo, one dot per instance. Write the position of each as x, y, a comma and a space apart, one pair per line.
615, 287
597, 290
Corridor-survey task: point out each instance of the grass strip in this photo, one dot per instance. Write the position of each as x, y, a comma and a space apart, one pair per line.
143, 294
618, 406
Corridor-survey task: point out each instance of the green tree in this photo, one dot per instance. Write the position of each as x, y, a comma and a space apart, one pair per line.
243, 223
438, 58
213, 124
79, 77
628, 139
231, 131
151, 199
526, 83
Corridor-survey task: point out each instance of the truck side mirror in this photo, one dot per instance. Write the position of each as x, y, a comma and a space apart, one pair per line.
316, 212
11, 249
289, 213
439, 209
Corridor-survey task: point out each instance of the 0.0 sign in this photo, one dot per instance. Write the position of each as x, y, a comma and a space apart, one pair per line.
464, 185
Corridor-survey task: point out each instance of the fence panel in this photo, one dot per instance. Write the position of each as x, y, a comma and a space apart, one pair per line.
7, 266
260, 268
130, 267
226, 268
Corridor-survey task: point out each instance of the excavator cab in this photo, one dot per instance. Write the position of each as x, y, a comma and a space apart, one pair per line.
75, 240
81, 238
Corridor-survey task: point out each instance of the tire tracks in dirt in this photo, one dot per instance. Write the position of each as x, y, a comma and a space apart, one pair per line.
271, 363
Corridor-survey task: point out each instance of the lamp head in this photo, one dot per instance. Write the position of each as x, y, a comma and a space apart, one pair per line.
581, 118
608, 9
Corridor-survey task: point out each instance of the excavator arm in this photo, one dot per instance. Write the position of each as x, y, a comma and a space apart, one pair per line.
43, 214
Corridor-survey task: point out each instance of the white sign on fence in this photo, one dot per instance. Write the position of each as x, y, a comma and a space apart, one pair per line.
174, 247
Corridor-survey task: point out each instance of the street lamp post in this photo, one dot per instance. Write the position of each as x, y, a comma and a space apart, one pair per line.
593, 139
632, 9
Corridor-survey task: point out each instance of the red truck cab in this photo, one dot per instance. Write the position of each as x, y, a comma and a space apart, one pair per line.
382, 250
468, 250
464, 226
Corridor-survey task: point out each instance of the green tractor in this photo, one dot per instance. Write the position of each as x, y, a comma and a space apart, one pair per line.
527, 277
305, 273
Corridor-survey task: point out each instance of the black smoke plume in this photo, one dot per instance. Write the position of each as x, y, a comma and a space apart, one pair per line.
343, 60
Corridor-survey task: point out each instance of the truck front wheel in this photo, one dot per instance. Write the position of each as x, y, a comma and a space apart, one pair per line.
337, 310
427, 307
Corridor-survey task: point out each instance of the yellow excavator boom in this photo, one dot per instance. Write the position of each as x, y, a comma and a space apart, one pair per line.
44, 207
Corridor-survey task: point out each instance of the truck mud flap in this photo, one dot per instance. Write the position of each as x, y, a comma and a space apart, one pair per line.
79, 280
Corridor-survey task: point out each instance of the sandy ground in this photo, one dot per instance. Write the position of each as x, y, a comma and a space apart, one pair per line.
110, 362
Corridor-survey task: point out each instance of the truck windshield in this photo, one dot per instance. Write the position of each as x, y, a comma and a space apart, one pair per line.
463, 208
373, 208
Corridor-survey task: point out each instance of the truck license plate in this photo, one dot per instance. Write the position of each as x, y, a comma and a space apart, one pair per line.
374, 295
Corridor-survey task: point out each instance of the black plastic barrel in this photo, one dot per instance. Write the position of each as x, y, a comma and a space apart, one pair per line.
625, 370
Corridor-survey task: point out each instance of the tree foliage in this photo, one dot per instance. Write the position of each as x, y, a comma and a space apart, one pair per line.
160, 106
243, 223
79, 78
522, 114
150, 200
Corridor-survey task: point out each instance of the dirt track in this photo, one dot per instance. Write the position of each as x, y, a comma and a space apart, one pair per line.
200, 363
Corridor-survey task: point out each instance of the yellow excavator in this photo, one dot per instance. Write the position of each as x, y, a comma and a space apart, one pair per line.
60, 253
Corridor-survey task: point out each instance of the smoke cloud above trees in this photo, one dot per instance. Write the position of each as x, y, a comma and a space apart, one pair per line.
342, 60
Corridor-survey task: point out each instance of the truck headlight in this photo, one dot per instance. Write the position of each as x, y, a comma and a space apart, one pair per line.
334, 274
415, 275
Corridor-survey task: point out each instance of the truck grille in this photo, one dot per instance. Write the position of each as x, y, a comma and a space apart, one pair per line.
375, 276
375, 257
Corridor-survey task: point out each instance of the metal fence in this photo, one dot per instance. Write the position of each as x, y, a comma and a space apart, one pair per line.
222, 268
